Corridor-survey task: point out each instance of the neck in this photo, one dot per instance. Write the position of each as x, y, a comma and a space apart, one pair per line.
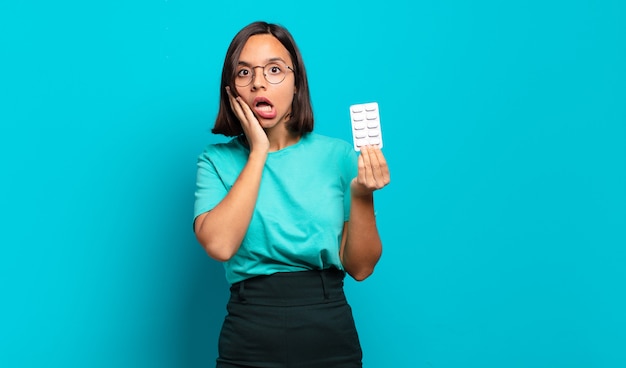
281, 138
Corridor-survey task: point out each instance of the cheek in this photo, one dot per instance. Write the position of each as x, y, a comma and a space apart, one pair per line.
288, 96
241, 91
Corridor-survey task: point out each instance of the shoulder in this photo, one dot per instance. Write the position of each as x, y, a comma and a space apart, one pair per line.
324, 142
332, 152
217, 150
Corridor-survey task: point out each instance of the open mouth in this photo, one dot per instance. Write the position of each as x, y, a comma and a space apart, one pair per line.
264, 108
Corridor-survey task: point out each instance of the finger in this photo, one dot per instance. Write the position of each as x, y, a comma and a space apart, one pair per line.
361, 174
377, 175
377, 171
244, 113
250, 117
235, 105
381, 169
365, 170
240, 106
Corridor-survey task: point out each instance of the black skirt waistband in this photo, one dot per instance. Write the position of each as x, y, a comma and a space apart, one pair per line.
290, 288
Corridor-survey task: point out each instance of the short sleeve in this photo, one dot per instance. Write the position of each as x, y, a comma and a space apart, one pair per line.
210, 189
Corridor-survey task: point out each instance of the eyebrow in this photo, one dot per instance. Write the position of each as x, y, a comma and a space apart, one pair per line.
266, 61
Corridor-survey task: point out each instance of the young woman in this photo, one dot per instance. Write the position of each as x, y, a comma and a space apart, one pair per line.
286, 210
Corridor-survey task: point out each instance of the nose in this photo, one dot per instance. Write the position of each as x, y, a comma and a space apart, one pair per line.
258, 79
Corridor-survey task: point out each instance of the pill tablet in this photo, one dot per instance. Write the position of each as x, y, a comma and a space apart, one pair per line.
366, 129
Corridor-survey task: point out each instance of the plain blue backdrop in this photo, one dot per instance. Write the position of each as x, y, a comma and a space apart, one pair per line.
504, 226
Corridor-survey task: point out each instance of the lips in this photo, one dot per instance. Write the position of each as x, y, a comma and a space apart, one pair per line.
264, 108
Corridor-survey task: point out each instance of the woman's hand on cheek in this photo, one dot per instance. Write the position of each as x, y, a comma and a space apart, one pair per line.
373, 173
257, 139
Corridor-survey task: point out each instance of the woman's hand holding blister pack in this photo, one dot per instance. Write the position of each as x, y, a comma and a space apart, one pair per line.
373, 172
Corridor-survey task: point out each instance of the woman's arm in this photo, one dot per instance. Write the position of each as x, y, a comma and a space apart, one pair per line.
221, 230
361, 246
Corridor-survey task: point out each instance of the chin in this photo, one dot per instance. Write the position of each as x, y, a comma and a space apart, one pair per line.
268, 123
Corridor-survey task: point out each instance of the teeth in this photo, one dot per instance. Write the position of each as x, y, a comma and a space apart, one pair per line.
265, 108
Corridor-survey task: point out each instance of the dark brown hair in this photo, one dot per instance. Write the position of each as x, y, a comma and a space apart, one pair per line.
301, 118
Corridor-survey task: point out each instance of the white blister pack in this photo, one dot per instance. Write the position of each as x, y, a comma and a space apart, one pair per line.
366, 125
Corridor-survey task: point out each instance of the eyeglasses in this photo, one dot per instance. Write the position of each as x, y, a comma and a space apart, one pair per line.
274, 73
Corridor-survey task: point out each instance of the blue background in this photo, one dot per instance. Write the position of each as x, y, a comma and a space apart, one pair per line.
504, 226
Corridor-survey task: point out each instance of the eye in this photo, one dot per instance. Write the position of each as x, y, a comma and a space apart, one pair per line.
274, 69
243, 73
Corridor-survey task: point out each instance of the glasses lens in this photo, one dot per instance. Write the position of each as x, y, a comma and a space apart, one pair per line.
244, 76
275, 72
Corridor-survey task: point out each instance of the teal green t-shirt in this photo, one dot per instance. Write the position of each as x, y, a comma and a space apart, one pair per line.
303, 201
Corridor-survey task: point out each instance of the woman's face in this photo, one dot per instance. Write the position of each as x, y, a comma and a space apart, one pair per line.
270, 102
